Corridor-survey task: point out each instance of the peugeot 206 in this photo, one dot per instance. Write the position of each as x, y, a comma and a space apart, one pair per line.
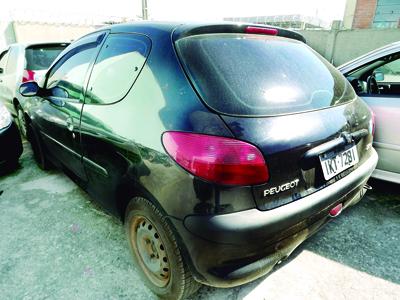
220, 146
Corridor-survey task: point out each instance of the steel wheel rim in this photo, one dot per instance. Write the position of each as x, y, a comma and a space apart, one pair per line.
150, 250
21, 121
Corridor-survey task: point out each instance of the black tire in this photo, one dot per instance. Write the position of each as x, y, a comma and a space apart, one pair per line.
22, 124
170, 277
37, 149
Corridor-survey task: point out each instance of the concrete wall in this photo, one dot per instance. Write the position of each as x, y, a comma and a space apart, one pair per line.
349, 12
31, 32
340, 46
28, 32
7, 35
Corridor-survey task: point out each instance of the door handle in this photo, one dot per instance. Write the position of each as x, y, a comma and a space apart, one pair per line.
70, 124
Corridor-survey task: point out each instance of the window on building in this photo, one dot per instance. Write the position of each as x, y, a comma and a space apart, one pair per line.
387, 14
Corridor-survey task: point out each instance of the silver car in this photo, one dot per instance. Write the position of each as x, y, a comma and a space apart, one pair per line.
375, 77
20, 63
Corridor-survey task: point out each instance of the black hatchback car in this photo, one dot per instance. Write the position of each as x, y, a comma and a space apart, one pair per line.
221, 146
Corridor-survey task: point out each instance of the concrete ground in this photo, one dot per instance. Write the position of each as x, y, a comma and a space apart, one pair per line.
56, 244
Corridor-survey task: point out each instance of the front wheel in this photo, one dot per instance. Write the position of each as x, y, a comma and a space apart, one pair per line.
21, 121
156, 251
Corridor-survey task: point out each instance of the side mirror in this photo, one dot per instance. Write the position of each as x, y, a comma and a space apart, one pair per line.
379, 76
1, 70
29, 89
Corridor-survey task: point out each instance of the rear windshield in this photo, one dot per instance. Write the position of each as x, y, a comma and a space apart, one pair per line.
41, 57
255, 75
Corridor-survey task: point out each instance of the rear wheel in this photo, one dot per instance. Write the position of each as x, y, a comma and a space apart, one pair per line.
37, 149
156, 251
21, 121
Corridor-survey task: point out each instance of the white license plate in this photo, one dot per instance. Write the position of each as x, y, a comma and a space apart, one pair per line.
334, 163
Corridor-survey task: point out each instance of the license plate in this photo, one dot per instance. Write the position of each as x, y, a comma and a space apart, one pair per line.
334, 163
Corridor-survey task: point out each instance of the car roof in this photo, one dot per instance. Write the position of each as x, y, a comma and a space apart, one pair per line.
182, 29
370, 56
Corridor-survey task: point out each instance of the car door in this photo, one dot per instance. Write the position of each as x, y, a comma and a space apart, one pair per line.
107, 114
58, 117
386, 106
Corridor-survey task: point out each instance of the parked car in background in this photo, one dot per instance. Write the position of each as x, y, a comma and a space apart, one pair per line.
21, 63
375, 77
220, 161
10, 140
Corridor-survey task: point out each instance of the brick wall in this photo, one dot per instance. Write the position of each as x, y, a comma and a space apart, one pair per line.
364, 14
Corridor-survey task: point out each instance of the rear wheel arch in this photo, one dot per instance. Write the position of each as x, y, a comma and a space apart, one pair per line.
186, 285
130, 190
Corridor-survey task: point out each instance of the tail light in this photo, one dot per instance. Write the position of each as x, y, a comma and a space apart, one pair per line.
217, 159
261, 30
28, 75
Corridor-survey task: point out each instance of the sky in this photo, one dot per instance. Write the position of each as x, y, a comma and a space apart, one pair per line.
174, 10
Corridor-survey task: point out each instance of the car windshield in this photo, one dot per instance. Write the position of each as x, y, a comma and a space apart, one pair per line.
40, 57
255, 75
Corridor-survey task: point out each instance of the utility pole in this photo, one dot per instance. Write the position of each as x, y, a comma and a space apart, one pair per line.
145, 15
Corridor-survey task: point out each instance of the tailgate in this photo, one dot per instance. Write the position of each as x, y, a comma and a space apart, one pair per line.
286, 142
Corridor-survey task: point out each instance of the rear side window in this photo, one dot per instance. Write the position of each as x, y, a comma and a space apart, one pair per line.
116, 68
40, 57
255, 75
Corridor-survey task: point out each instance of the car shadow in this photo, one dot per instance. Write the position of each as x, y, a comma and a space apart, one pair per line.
366, 236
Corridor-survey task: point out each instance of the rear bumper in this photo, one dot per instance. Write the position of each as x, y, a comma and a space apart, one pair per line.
232, 249
11, 145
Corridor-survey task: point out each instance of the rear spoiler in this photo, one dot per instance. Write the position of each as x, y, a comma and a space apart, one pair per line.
189, 30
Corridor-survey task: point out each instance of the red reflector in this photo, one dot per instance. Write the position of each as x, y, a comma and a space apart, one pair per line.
334, 212
261, 30
28, 75
217, 159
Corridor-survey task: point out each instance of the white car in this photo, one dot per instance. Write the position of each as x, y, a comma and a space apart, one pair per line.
375, 77
20, 63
